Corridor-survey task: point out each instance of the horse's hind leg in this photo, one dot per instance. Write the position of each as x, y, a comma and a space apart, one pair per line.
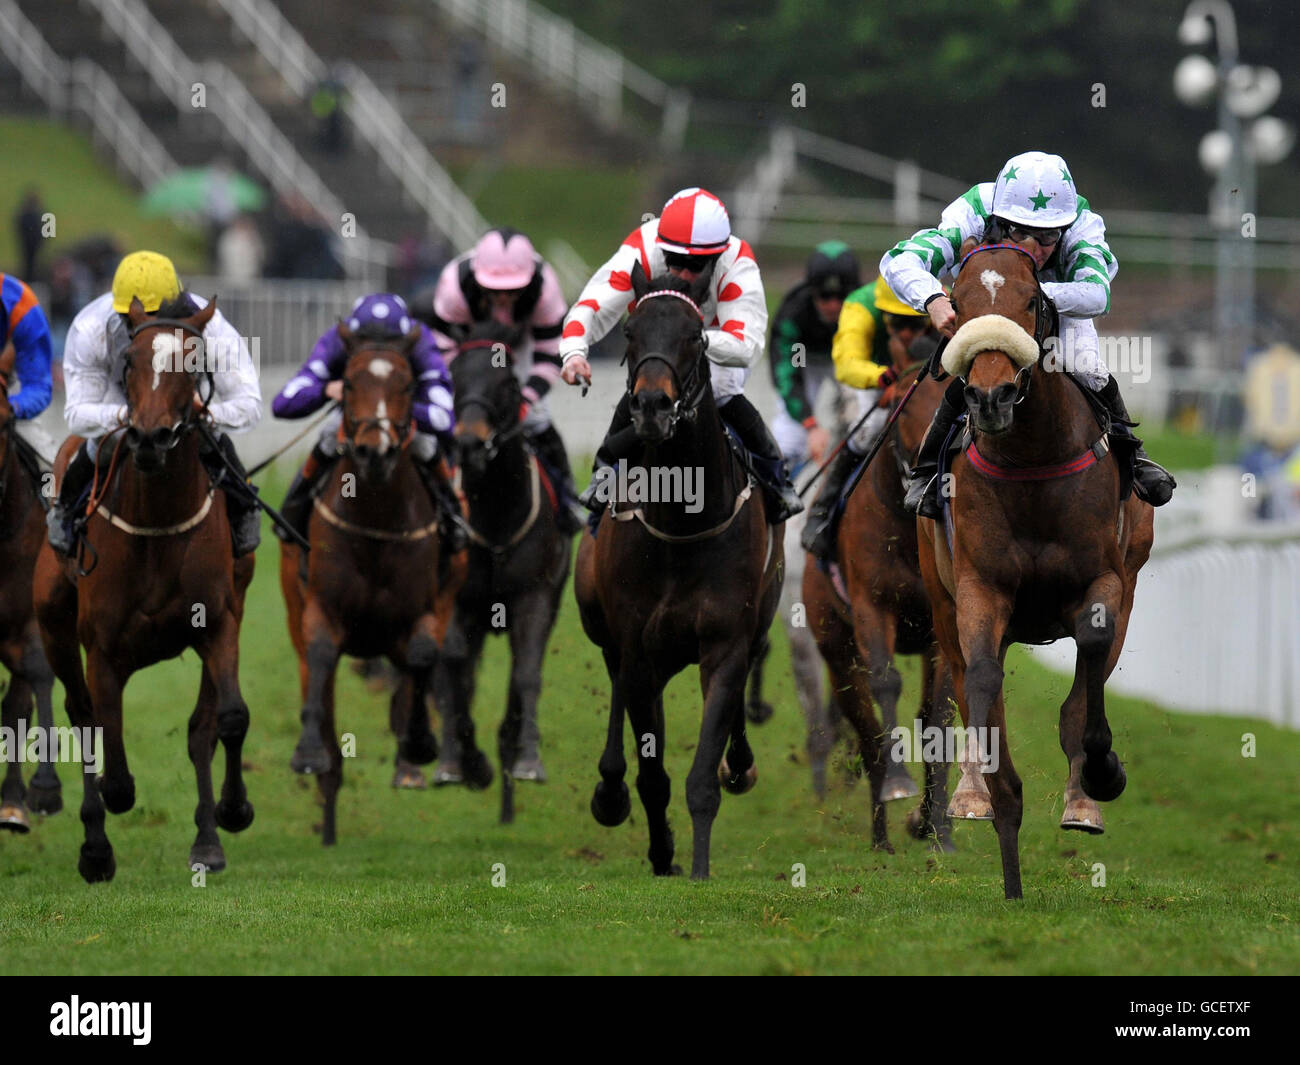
527, 647
234, 812
1080, 812
611, 803
15, 707
757, 709
1096, 630
331, 780
930, 819
876, 635
45, 793
206, 852
323, 644
401, 713
723, 669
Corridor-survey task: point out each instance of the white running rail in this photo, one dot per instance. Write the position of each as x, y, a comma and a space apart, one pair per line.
85, 87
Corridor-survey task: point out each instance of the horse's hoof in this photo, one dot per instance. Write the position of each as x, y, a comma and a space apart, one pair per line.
672, 870
759, 713
917, 826
477, 771
883, 845
208, 855
409, 776
529, 769
819, 778
13, 818
310, 759
1109, 784
234, 816
611, 804
43, 800
118, 795
970, 805
446, 773
1083, 815
420, 751
737, 784
96, 867
899, 786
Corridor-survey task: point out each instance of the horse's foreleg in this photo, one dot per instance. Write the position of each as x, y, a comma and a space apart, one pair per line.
45, 794
15, 706
234, 812
1096, 629
409, 708
930, 819
527, 645
876, 633
611, 803
757, 709
207, 851
645, 711
323, 643
116, 785
723, 669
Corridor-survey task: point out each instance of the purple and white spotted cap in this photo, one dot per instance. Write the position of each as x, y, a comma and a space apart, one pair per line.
380, 314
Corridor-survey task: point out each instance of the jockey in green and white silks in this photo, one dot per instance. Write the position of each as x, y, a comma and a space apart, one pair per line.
1034, 204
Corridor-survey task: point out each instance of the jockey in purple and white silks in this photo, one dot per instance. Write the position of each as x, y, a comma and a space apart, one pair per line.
320, 380
1034, 204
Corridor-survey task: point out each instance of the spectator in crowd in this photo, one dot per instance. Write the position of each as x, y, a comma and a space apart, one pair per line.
30, 225
240, 252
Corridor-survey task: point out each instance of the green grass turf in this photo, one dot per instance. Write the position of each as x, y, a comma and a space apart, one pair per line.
1202, 853
83, 192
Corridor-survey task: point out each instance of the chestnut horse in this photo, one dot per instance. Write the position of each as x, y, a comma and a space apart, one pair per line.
370, 583
1042, 545
887, 613
660, 587
165, 580
22, 530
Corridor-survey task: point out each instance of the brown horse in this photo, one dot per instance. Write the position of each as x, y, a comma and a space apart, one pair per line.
22, 530
165, 580
660, 587
887, 613
1042, 545
370, 583
518, 559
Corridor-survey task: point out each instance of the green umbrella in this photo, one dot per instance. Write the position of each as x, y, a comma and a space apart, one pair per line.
194, 190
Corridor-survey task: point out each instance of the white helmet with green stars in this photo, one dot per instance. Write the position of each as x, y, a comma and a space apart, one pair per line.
1036, 189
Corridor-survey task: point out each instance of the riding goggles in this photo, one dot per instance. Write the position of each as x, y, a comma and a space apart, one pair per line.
1045, 238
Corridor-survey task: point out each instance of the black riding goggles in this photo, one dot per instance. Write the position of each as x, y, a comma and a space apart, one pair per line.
1044, 238
675, 260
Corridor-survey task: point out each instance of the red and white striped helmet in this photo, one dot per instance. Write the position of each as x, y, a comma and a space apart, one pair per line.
694, 222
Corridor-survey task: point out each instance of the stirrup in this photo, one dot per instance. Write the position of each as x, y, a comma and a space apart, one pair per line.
920, 497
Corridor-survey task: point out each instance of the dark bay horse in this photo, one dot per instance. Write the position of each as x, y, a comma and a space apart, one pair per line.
518, 558
1042, 546
370, 584
661, 588
165, 580
22, 530
887, 613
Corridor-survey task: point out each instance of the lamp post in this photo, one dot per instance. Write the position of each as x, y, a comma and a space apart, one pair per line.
1231, 153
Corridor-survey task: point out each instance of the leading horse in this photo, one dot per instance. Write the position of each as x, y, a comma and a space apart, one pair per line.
1042, 544
165, 579
660, 588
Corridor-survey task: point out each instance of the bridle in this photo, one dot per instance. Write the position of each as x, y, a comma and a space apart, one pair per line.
401, 433
1046, 319
690, 391
191, 416
485, 400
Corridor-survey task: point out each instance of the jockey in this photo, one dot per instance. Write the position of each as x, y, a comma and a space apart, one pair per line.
23, 323
799, 349
504, 280
873, 323
96, 405
379, 316
692, 237
1033, 203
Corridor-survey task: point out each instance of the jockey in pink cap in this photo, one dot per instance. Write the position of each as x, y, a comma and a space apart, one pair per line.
504, 279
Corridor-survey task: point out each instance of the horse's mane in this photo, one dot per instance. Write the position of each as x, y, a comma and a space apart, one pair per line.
496, 332
671, 282
180, 307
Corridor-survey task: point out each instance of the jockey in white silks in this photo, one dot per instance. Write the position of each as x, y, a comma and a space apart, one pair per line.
1034, 204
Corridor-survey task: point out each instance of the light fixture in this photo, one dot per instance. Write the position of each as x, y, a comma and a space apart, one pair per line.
1270, 140
1195, 80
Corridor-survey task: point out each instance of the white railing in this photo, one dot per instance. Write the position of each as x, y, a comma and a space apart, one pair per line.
242, 119
83, 86
378, 121
570, 61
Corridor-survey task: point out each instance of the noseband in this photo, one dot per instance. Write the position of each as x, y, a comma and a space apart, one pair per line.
690, 390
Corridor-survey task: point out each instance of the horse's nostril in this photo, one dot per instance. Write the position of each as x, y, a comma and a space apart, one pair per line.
1004, 394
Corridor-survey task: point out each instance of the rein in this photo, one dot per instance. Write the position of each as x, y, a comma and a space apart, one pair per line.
638, 514
534, 509
387, 535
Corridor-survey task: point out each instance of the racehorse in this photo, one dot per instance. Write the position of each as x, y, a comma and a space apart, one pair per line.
370, 584
660, 588
887, 612
164, 579
1042, 546
22, 529
518, 557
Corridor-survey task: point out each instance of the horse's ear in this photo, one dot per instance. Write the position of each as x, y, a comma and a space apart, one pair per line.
700, 286
640, 283
200, 321
136, 313
967, 246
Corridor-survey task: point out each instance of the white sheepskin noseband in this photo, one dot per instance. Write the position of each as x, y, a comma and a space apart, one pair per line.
989, 332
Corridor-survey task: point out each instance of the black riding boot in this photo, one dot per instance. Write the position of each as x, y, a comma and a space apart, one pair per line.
63, 516
451, 526
244, 514
296, 507
922, 483
1151, 481
550, 449
783, 500
620, 441
819, 534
